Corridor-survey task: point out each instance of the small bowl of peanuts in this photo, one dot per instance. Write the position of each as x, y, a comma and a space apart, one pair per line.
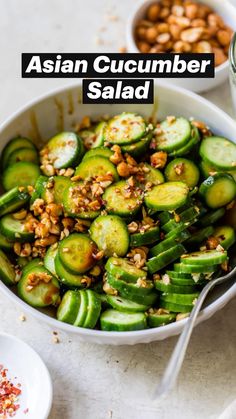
185, 26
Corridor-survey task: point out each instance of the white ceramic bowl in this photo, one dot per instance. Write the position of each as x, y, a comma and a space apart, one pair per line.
61, 110
25, 364
223, 7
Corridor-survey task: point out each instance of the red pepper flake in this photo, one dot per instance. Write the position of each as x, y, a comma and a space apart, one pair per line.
8, 395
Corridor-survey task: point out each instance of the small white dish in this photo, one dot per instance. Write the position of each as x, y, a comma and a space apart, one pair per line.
26, 365
223, 7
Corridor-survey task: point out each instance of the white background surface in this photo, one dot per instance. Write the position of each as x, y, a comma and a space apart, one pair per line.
93, 381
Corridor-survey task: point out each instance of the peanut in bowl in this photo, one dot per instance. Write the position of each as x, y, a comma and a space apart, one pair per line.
180, 26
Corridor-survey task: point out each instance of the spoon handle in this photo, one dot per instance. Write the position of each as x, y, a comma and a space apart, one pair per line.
173, 368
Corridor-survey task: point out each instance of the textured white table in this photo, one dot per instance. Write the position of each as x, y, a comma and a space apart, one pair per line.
95, 382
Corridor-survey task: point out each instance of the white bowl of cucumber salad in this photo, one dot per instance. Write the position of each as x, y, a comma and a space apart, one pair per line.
110, 231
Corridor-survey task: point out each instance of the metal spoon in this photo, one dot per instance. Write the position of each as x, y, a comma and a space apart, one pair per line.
176, 360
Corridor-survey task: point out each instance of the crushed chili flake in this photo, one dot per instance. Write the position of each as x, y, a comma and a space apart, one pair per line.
8, 395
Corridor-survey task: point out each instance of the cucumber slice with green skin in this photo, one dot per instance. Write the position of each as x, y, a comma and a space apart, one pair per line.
76, 252
166, 216
22, 261
39, 188
184, 282
98, 151
65, 150
184, 217
23, 154
168, 196
99, 132
182, 299
163, 259
117, 201
41, 295
82, 310
149, 174
122, 304
110, 233
14, 230
200, 235
34, 263
5, 244
13, 200
183, 170
7, 272
96, 166
126, 128
113, 320
218, 190
194, 269
218, 151
169, 242
204, 257
124, 270
132, 292
177, 308
88, 137
93, 310
157, 320
49, 259
172, 288
186, 149
207, 170
60, 184
67, 278
13, 145
139, 148
20, 174
211, 217
148, 237
78, 209
68, 308
225, 234
174, 134
182, 227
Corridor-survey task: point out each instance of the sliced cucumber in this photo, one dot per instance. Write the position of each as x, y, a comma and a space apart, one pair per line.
43, 293
67, 278
173, 288
64, 150
98, 151
211, 217
14, 229
118, 200
93, 309
200, 235
189, 146
5, 244
82, 310
75, 205
77, 253
174, 134
122, 322
219, 151
218, 190
123, 269
7, 272
177, 308
20, 174
157, 320
163, 259
139, 148
183, 170
110, 234
186, 216
39, 188
126, 128
49, 259
23, 154
69, 306
13, 200
99, 134
168, 196
96, 166
204, 257
148, 237
122, 304
182, 299
169, 242
226, 235
181, 279
60, 184
149, 175
194, 269
13, 145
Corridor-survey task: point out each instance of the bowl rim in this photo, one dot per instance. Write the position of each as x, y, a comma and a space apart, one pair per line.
172, 328
135, 10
